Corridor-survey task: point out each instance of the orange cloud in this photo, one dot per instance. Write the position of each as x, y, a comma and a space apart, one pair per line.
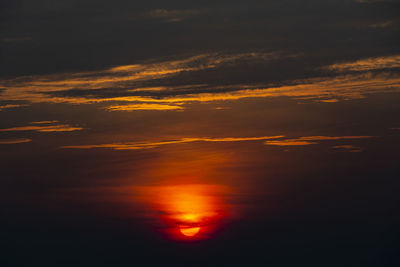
49, 128
301, 141
148, 145
126, 93
43, 122
11, 106
15, 141
368, 64
310, 140
332, 100
143, 106
289, 142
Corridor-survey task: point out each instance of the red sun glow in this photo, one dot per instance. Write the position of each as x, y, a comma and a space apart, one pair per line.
188, 211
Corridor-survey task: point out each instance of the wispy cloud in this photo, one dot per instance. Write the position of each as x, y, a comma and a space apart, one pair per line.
309, 140
143, 106
43, 128
14, 141
289, 142
268, 140
153, 144
368, 64
384, 24
3, 107
348, 148
44, 122
141, 86
174, 15
107, 85
332, 100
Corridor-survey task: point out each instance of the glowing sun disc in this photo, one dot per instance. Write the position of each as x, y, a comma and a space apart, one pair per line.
190, 231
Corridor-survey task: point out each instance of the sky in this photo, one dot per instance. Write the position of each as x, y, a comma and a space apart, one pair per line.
199, 133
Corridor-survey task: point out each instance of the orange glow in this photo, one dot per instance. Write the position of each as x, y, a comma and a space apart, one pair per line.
187, 211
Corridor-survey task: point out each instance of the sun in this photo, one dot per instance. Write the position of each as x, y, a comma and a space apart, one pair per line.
187, 211
189, 231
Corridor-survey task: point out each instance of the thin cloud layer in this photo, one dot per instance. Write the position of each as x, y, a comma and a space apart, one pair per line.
368, 64
7, 106
302, 141
110, 84
148, 86
174, 15
154, 144
347, 148
310, 140
123, 76
43, 128
14, 141
143, 106
44, 122
384, 24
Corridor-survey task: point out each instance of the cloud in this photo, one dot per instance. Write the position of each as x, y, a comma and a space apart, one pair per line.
43, 128
319, 137
332, 100
301, 141
174, 15
384, 24
140, 86
310, 140
90, 87
348, 148
7, 106
44, 122
368, 64
143, 106
289, 142
153, 144
14, 141
341, 87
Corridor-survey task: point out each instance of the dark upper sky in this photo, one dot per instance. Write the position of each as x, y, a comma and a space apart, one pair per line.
268, 129
87, 35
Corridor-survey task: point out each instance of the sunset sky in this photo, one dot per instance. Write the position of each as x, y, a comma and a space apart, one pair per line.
199, 133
